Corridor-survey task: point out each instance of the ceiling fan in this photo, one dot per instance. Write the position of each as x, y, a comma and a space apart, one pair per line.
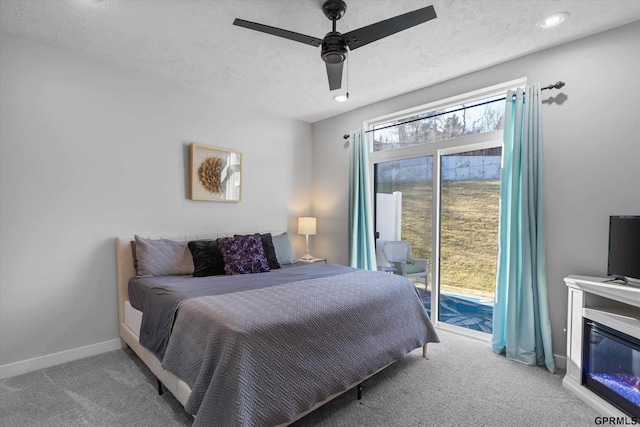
335, 45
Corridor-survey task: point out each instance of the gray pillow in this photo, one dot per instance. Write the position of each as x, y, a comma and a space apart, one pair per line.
282, 245
162, 257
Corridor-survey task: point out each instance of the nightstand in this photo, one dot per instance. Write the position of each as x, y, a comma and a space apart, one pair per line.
312, 260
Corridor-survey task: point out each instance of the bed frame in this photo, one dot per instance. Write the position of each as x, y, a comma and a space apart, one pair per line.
126, 270
180, 390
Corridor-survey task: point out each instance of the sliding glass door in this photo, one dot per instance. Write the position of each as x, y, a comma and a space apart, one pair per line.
437, 185
459, 199
469, 202
403, 205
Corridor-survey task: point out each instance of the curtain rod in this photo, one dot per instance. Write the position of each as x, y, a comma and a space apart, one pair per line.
556, 85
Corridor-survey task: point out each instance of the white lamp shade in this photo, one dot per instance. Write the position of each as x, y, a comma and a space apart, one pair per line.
307, 225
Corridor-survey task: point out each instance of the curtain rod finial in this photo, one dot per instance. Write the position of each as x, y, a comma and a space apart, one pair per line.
345, 136
556, 85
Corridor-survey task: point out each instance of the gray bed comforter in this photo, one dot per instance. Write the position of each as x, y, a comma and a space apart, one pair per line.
260, 357
159, 297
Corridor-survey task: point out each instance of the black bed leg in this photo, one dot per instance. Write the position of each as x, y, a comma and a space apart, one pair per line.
360, 391
160, 391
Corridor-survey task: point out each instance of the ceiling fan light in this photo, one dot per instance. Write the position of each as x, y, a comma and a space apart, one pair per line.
334, 58
553, 20
334, 50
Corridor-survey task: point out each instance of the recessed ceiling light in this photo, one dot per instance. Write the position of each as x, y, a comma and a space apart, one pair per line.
341, 98
553, 20
91, 3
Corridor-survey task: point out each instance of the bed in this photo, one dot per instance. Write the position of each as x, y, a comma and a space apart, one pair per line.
267, 348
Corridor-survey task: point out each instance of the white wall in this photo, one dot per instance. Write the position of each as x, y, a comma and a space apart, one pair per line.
592, 157
89, 151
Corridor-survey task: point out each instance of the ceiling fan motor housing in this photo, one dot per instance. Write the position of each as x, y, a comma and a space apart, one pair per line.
334, 49
334, 9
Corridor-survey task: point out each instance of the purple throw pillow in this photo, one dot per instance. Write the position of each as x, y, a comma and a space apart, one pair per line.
243, 254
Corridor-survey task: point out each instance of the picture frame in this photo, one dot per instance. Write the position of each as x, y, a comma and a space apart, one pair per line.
215, 174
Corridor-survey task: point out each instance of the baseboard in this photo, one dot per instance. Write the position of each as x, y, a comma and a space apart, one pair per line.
561, 362
30, 365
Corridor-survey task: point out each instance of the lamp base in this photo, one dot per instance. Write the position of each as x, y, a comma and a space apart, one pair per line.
307, 257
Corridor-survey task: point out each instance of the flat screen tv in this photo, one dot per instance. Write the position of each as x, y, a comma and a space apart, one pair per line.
624, 247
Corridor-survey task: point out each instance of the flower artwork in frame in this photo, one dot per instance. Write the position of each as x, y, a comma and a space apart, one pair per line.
215, 174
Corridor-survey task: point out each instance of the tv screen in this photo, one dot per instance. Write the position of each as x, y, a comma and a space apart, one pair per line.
624, 246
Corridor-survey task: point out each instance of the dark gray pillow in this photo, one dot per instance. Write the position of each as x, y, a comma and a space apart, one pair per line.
284, 250
270, 251
207, 258
135, 259
162, 257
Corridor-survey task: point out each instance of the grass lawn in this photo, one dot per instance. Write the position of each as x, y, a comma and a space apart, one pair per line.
469, 239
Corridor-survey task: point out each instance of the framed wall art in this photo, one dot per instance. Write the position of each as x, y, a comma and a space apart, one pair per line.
215, 174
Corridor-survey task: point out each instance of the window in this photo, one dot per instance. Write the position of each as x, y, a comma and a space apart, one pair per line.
442, 124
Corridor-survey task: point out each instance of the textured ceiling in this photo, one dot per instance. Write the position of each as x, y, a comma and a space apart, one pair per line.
193, 42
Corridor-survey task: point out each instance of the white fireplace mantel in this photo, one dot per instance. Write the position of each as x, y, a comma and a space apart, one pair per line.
627, 294
610, 303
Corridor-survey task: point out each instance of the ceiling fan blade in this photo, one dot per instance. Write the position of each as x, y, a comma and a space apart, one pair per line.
334, 72
313, 41
365, 35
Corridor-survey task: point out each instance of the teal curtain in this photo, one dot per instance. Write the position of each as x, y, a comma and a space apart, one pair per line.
521, 326
362, 252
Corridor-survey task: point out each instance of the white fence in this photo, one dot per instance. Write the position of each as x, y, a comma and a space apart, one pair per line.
470, 167
453, 168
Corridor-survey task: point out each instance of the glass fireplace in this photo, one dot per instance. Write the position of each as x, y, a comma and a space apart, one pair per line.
611, 366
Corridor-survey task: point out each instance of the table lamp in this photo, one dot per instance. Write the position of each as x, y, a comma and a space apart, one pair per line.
307, 226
